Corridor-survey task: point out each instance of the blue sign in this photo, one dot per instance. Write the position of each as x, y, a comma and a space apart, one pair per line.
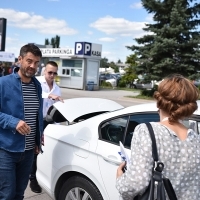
83, 48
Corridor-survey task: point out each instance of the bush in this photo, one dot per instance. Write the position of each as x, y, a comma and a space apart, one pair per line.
149, 93
106, 84
122, 83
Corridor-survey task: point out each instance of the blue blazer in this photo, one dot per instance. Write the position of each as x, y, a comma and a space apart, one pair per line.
12, 111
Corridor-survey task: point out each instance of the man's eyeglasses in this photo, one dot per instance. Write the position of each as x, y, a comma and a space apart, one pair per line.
54, 73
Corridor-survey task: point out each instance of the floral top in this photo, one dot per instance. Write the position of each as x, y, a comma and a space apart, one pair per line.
181, 162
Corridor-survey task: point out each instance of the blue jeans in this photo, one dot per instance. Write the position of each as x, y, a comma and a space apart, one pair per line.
34, 168
15, 168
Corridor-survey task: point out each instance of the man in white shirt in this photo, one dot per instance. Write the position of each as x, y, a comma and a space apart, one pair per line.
50, 94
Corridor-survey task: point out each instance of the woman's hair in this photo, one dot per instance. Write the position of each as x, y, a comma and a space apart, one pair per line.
177, 96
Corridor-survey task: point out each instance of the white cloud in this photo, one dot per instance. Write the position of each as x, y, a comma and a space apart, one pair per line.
109, 55
43, 25
107, 39
119, 26
137, 5
13, 45
10, 40
149, 18
90, 32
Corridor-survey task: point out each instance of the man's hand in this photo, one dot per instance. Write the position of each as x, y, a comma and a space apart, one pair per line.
55, 97
37, 151
23, 128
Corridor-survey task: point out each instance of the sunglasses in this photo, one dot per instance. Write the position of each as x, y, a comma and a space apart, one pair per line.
54, 73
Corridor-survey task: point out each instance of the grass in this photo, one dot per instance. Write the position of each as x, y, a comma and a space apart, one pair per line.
130, 89
127, 89
133, 90
141, 97
119, 88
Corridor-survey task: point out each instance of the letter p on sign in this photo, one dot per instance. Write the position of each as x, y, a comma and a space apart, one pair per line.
79, 47
87, 48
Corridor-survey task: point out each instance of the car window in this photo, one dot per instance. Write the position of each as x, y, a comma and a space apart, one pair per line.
134, 121
122, 128
192, 123
113, 131
198, 127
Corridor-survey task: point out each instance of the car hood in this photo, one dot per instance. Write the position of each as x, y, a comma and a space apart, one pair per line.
82, 108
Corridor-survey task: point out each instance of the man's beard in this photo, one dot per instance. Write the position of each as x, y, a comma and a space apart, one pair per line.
26, 74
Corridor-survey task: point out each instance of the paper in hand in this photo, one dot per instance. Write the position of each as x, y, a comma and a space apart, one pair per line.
123, 154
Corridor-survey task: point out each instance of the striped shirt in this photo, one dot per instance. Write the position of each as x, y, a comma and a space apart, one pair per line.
31, 108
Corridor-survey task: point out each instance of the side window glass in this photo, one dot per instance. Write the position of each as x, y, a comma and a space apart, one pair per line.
130, 130
198, 125
134, 121
113, 131
192, 124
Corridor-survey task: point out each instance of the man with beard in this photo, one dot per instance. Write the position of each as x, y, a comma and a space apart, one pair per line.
21, 123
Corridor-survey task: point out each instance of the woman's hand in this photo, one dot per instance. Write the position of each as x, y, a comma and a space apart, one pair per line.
120, 169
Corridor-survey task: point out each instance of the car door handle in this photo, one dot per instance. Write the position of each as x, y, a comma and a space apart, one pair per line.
112, 159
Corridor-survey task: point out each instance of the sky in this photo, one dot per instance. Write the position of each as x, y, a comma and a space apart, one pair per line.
112, 23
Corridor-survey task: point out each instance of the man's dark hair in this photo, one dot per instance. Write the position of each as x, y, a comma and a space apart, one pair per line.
30, 48
52, 63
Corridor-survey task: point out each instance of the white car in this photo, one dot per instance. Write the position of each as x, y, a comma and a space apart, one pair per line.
140, 84
112, 81
109, 78
80, 155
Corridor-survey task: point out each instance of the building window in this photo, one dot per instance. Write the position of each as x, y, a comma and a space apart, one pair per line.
72, 63
72, 67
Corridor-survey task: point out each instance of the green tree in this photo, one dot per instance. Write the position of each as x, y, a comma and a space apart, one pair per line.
114, 66
46, 41
174, 45
130, 71
104, 63
55, 42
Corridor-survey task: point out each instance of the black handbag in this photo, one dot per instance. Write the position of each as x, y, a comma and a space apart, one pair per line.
158, 183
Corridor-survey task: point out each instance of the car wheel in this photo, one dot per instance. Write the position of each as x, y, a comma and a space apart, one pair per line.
79, 188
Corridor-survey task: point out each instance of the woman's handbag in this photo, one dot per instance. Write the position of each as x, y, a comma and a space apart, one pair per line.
158, 183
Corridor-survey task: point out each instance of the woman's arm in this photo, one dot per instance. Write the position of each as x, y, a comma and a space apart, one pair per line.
137, 176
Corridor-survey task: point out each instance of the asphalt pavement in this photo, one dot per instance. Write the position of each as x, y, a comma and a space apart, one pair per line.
120, 96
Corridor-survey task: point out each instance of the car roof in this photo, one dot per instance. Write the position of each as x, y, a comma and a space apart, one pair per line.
147, 107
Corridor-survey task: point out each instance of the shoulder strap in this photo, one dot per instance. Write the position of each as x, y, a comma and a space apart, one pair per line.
154, 146
168, 186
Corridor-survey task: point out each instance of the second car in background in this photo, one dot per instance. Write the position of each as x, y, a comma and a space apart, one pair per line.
113, 79
141, 84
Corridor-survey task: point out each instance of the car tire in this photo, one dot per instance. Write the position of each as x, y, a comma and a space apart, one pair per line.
82, 186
